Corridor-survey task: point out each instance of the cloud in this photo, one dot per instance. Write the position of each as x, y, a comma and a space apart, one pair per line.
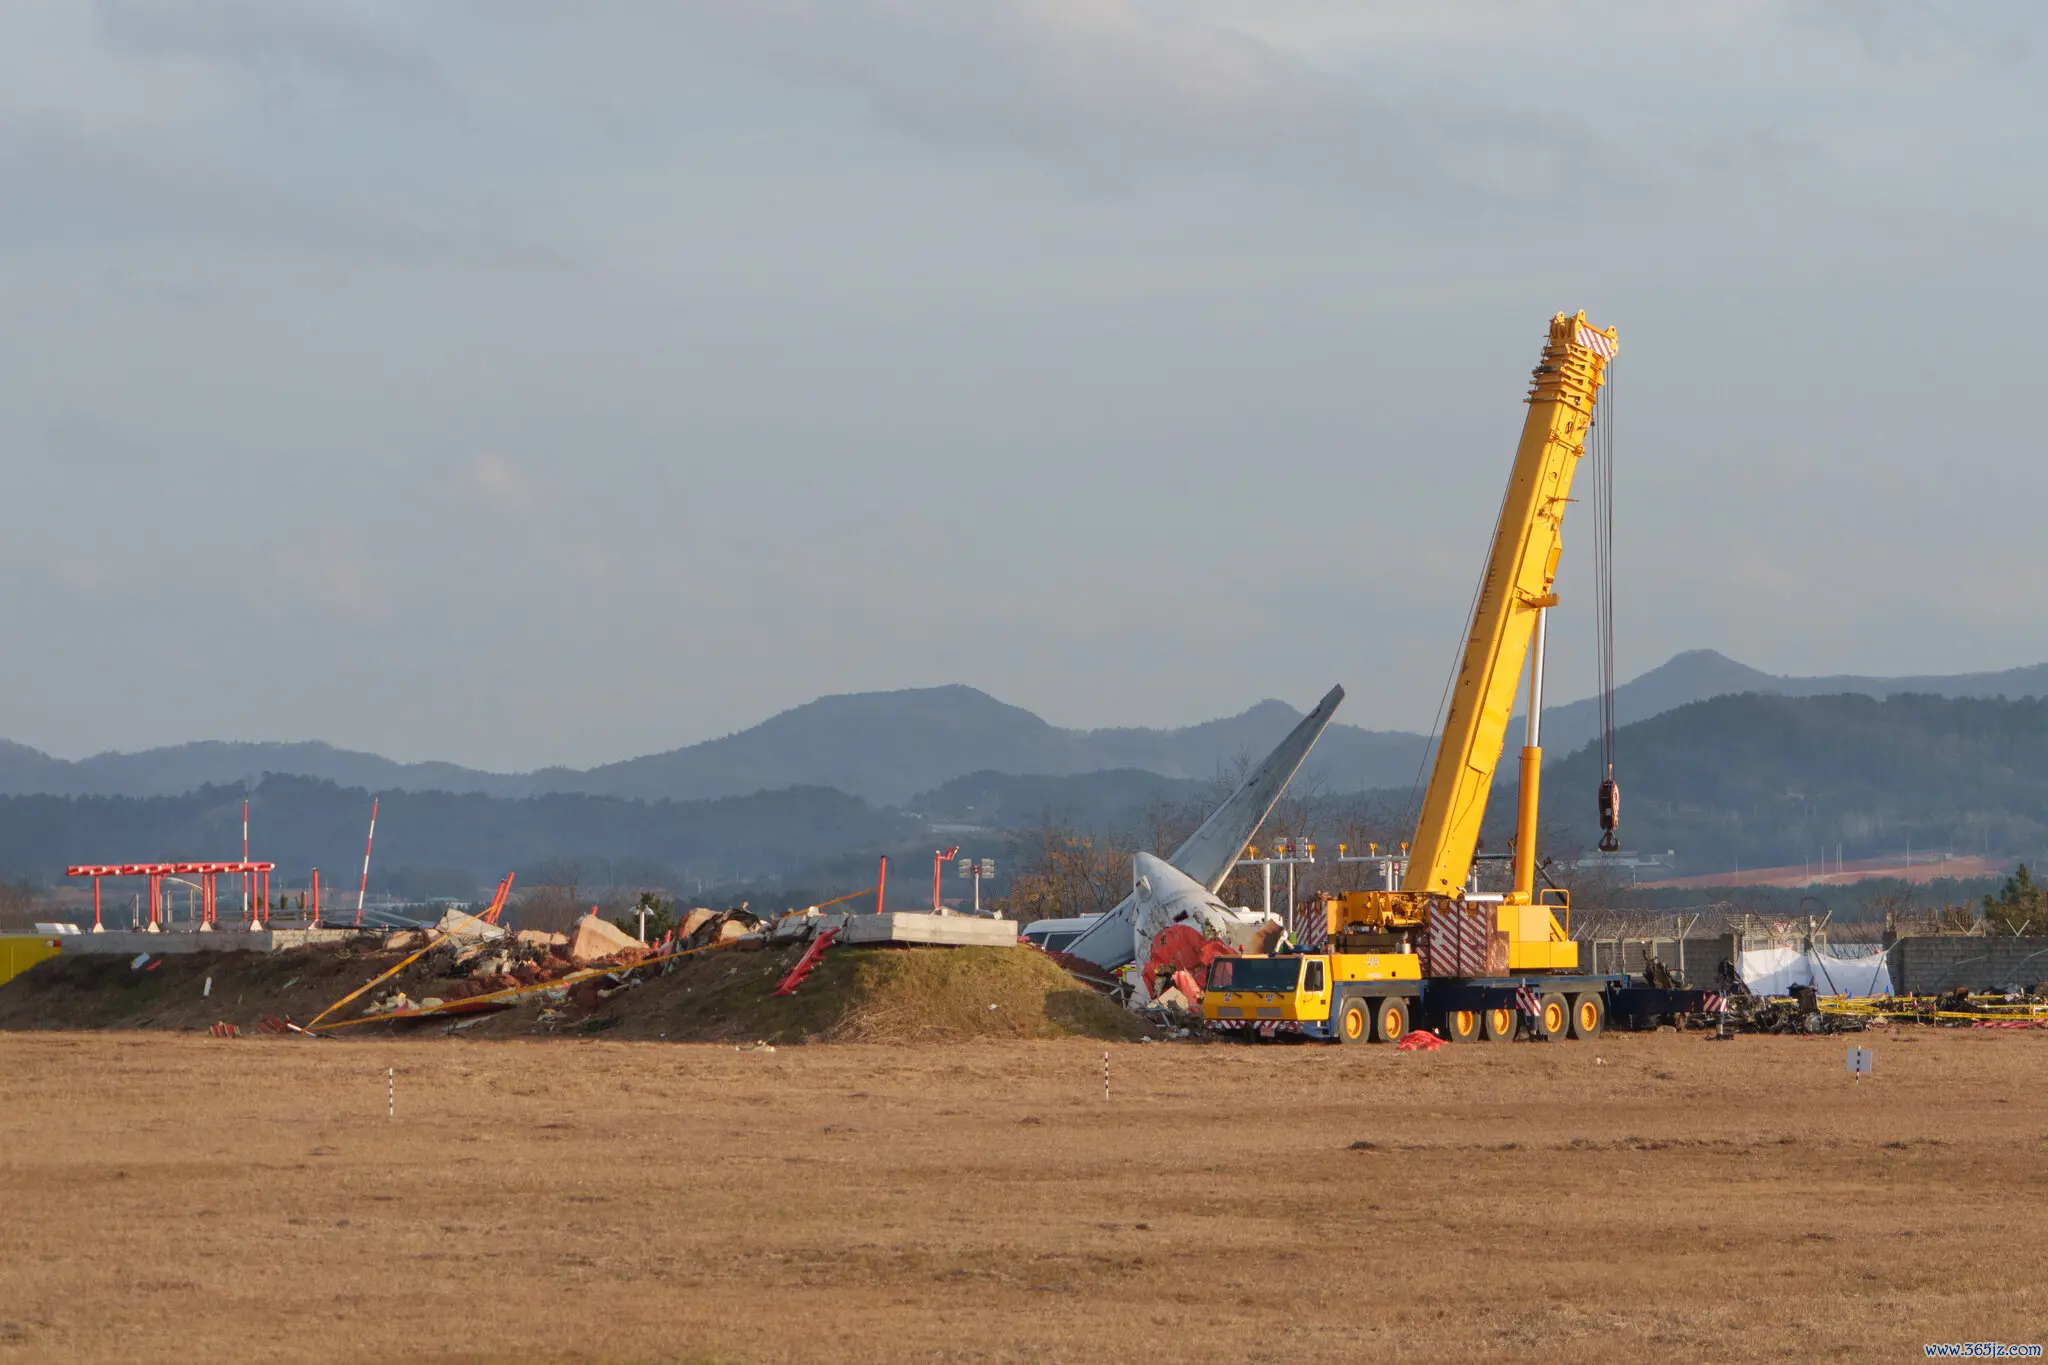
1104, 86
70, 186
329, 572
1055, 74
265, 36
498, 482
1896, 30
83, 441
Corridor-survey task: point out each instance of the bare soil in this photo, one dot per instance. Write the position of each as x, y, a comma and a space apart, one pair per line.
1639, 1198
1921, 873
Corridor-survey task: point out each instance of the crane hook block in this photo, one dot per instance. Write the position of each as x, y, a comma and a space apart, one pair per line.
1610, 815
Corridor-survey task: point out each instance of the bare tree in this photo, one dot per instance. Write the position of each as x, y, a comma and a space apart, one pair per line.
17, 907
1062, 873
553, 901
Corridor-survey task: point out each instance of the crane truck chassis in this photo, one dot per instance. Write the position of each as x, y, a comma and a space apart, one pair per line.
1358, 998
1490, 966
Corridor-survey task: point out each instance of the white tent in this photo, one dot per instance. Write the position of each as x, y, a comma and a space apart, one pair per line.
1860, 970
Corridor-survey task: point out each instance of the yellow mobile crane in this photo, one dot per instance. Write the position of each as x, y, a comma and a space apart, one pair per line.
1432, 950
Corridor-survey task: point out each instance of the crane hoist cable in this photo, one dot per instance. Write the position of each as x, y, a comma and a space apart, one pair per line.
1602, 450
1436, 725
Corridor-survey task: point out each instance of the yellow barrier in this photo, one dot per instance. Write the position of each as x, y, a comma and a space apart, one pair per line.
19, 952
1907, 1008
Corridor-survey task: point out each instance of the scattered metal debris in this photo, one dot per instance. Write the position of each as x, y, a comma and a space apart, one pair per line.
808, 963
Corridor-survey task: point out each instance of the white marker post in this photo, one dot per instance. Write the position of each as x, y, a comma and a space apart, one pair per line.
1859, 1062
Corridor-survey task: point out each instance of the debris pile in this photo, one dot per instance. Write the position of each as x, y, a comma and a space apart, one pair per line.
1806, 1011
1799, 1012
704, 928
484, 968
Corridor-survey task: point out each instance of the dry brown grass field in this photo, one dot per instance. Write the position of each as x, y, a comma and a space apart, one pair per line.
1641, 1198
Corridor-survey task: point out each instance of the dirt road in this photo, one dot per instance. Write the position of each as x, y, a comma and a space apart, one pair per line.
1640, 1198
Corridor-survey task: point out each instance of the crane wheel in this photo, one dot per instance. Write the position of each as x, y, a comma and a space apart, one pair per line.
1500, 1025
1389, 1019
1589, 1015
1354, 1021
1462, 1026
1553, 1018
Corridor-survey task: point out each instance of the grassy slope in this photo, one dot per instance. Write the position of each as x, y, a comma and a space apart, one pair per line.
867, 995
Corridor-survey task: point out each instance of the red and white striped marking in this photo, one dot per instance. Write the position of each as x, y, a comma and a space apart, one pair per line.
1715, 1004
1526, 1002
1599, 343
1454, 940
1314, 931
1265, 1027
363, 891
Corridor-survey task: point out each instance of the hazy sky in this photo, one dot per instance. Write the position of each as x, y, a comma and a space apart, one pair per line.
527, 381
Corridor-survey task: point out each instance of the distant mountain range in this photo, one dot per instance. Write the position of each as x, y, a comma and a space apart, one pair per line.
441, 843
1744, 781
889, 747
1755, 781
881, 746
1702, 674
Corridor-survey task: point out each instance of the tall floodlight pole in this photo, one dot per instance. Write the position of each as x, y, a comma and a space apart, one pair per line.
363, 891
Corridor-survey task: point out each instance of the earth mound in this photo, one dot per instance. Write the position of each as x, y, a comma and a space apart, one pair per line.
873, 995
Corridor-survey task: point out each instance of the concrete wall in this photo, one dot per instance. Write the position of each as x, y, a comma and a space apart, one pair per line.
128, 944
1931, 965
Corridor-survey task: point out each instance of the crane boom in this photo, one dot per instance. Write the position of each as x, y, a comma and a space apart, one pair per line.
1521, 567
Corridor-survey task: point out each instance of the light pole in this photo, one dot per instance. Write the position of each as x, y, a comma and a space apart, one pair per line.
977, 868
939, 857
192, 890
1394, 865
1287, 853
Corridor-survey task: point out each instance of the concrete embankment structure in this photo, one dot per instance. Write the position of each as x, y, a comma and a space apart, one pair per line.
128, 942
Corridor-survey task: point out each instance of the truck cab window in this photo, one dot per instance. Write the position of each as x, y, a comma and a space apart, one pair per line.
1313, 982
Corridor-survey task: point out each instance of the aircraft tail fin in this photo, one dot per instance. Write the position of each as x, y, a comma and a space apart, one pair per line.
1212, 850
